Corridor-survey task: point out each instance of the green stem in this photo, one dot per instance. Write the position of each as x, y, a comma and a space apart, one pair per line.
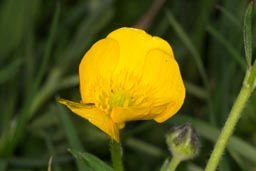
173, 164
234, 115
116, 155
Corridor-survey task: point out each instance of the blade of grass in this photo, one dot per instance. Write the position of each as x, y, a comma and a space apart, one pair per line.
145, 147
52, 151
69, 128
29, 59
11, 136
85, 33
37, 162
202, 19
9, 92
197, 58
165, 165
46, 91
228, 15
7, 139
247, 31
185, 39
13, 15
69, 81
71, 135
195, 90
49, 46
162, 27
243, 164
10, 70
233, 52
193, 167
224, 165
8, 103
29, 46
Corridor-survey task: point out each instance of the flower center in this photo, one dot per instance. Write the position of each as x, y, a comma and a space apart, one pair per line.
120, 99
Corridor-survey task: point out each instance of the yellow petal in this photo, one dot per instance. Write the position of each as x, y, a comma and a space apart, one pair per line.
96, 68
95, 116
123, 114
171, 110
175, 104
134, 45
161, 44
162, 73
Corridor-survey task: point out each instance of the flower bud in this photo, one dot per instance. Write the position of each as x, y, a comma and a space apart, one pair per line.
183, 142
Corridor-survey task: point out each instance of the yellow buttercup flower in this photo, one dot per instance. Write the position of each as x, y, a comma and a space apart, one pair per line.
129, 75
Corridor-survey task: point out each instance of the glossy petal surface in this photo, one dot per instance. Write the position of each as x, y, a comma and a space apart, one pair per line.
95, 116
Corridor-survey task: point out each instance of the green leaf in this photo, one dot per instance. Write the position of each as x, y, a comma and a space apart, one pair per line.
93, 162
248, 33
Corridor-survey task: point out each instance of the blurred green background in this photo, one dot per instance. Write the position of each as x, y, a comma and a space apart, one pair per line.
42, 43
